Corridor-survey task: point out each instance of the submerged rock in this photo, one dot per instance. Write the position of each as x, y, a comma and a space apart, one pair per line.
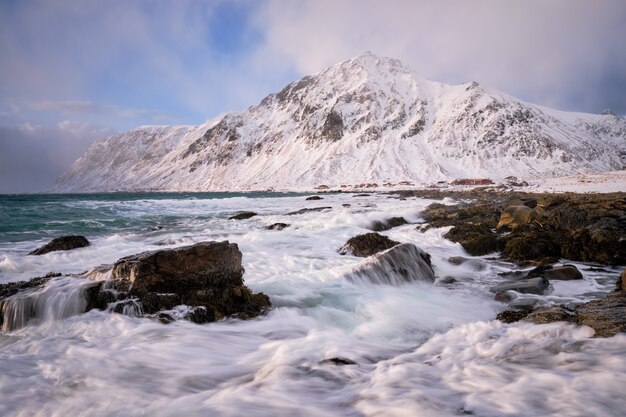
381, 226
62, 243
367, 244
526, 286
399, 265
308, 210
277, 226
243, 216
560, 273
338, 361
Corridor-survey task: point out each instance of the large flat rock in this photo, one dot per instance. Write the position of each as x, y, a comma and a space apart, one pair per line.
206, 264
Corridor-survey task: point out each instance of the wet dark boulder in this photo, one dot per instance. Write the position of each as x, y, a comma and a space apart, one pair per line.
62, 243
526, 286
402, 264
477, 240
602, 242
511, 316
308, 210
559, 273
474, 225
207, 276
314, 198
206, 264
441, 215
607, 316
277, 226
589, 228
243, 216
390, 223
551, 314
367, 244
531, 242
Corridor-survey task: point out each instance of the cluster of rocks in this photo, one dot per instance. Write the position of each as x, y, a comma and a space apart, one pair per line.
388, 262
206, 277
536, 281
606, 316
540, 228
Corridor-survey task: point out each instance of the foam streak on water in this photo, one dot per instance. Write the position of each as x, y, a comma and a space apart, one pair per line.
420, 349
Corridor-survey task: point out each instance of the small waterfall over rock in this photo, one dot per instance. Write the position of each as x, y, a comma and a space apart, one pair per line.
59, 298
396, 266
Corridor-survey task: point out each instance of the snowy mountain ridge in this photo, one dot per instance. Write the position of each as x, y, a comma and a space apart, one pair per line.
365, 120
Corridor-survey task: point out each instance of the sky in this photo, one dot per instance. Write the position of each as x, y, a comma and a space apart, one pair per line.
74, 71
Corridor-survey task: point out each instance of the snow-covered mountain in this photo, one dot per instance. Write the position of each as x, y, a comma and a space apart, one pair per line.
365, 120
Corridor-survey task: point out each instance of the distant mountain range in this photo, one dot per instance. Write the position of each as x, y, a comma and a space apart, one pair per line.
365, 120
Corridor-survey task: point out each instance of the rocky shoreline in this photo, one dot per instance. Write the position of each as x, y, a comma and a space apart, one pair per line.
539, 230
529, 230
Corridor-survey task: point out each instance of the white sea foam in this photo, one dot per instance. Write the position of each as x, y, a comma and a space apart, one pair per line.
419, 349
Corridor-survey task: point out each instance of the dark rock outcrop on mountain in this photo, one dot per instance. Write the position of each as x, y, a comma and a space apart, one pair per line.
207, 276
367, 244
403, 263
62, 243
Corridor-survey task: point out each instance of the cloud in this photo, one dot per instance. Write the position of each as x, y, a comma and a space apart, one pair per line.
82, 107
188, 58
565, 53
32, 157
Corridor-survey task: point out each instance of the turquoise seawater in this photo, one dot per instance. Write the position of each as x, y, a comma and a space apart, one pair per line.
26, 217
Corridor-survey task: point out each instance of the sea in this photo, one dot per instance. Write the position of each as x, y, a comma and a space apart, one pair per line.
329, 346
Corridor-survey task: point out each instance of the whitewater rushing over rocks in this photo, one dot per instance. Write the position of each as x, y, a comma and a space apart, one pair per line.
409, 331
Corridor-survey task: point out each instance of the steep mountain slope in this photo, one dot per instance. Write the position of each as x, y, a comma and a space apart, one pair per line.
368, 119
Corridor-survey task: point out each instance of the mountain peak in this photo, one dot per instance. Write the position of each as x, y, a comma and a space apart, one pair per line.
368, 119
370, 60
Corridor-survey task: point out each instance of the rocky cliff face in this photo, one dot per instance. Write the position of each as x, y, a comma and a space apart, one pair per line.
368, 119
